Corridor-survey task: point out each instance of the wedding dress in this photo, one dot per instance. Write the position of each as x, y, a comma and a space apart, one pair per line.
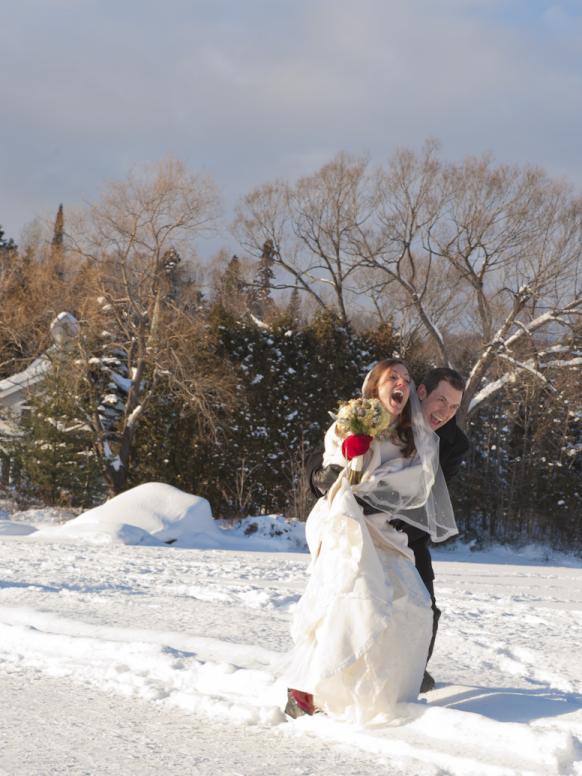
363, 627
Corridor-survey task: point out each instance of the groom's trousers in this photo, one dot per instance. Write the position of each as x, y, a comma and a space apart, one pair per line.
418, 543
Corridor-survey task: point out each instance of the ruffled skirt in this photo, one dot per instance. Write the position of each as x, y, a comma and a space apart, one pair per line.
363, 626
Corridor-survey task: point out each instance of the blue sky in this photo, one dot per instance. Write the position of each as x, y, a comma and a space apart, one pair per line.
250, 90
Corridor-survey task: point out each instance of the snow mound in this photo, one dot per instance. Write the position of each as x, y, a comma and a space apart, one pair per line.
157, 514
33, 516
153, 513
271, 533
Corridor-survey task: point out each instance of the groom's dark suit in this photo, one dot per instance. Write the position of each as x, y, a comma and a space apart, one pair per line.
452, 448
453, 445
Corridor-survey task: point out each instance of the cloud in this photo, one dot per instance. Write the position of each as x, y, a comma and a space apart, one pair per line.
251, 91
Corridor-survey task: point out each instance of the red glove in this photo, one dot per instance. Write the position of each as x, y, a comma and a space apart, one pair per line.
356, 444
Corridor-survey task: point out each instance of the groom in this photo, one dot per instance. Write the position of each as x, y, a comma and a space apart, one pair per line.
440, 394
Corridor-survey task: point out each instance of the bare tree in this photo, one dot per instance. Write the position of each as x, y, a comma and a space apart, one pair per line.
301, 498
310, 226
133, 238
474, 251
238, 490
32, 293
492, 251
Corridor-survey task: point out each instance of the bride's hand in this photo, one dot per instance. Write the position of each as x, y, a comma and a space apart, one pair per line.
356, 444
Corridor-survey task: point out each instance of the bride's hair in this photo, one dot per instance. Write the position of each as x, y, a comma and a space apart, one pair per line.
403, 429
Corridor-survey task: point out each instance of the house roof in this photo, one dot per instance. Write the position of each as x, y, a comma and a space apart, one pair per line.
20, 381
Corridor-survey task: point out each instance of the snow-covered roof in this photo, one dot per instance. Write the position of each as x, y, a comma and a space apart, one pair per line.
63, 329
20, 381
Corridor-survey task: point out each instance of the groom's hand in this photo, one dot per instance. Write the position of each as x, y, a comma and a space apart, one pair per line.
322, 479
356, 444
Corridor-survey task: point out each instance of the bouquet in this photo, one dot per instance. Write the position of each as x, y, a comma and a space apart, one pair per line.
357, 422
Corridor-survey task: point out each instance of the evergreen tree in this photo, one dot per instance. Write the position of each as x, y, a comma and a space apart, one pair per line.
171, 262
288, 379
521, 480
231, 289
261, 302
294, 307
55, 455
8, 252
5, 243
232, 283
59, 229
57, 244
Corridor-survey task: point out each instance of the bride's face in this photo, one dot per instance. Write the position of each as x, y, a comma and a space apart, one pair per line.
394, 388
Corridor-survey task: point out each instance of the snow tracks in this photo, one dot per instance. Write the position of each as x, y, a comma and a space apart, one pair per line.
200, 635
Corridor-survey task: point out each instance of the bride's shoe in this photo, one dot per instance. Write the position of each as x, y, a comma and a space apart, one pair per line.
299, 703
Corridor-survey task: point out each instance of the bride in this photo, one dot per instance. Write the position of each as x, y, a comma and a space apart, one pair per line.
362, 628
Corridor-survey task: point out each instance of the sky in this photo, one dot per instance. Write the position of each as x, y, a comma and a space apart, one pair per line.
252, 90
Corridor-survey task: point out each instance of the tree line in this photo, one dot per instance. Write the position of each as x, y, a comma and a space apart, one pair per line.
219, 378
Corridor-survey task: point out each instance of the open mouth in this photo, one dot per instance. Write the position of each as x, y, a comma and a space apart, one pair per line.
397, 396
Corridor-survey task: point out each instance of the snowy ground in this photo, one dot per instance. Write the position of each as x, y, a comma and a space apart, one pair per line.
119, 659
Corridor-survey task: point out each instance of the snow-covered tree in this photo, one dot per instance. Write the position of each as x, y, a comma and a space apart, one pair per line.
491, 251
483, 254
288, 379
521, 478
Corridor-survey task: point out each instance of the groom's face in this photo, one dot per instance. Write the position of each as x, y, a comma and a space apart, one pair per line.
439, 406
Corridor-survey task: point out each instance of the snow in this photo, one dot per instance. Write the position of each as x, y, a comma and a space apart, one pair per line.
34, 515
134, 415
259, 323
557, 363
10, 528
64, 328
266, 533
152, 513
113, 460
29, 377
145, 659
156, 513
121, 382
489, 389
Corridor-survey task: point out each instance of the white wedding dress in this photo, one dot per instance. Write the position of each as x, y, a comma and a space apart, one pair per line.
363, 626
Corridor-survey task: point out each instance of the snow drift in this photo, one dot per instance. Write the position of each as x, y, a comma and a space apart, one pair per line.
152, 513
156, 514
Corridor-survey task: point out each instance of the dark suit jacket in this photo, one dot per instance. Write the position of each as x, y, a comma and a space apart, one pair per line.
452, 448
